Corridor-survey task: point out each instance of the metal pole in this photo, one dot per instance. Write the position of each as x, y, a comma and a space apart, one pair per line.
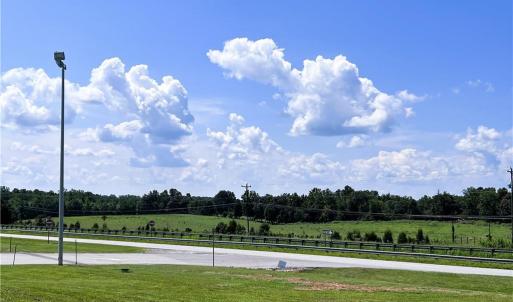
213, 246
14, 258
511, 203
61, 188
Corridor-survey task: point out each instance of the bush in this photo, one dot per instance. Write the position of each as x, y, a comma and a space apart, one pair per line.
77, 225
188, 230
353, 235
220, 228
232, 227
95, 226
402, 238
420, 236
264, 229
336, 236
104, 227
372, 237
387, 237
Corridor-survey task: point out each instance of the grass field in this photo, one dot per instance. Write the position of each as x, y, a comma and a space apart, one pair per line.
41, 246
189, 283
439, 232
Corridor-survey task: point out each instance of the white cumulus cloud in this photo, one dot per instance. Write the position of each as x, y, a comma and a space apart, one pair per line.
326, 97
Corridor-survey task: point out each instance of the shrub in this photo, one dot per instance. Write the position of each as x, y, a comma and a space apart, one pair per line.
188, 230
104, 227
426, 239
220, 228
232, 227
401, 238
77, 225
371, 237
353, 235
420, 236
264, 229
336, 236
95, 226
387, 237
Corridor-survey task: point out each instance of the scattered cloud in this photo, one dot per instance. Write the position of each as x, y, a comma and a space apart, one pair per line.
354, 142
487, 86
326, 97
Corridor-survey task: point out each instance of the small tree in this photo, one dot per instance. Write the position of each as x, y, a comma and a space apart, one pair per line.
336, 236
220, 228
353, 235
77, 225
371, 237
232, 227
420, 236
104, 217
387, 237
264, 229
104, 227
95, 226
426, 239
402, 238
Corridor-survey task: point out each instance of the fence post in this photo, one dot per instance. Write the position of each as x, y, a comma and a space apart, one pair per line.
14, 258
213, 251
76, 253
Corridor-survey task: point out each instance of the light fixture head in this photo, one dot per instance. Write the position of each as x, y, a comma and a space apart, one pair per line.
59, 57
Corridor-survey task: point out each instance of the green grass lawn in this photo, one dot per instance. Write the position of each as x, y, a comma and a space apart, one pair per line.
42, 246
190, 283
439, 232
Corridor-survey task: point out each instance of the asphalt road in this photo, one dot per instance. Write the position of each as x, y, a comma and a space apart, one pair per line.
195, 255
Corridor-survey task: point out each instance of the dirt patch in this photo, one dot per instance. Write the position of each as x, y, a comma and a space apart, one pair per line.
321, 286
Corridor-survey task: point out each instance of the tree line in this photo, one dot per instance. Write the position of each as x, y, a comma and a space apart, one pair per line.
319, 205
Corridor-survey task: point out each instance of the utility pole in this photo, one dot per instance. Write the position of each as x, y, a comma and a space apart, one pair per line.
511, 202
246, 193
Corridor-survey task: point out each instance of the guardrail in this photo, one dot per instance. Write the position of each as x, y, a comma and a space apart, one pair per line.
229, 240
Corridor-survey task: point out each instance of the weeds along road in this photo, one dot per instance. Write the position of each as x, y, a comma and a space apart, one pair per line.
196, 255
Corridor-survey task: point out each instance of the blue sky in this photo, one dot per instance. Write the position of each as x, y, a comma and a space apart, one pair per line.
437, 114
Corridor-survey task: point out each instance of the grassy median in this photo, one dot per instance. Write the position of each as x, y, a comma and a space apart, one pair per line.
42, 246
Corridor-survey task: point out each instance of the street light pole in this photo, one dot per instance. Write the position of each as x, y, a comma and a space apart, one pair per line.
59, 57
511, 202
